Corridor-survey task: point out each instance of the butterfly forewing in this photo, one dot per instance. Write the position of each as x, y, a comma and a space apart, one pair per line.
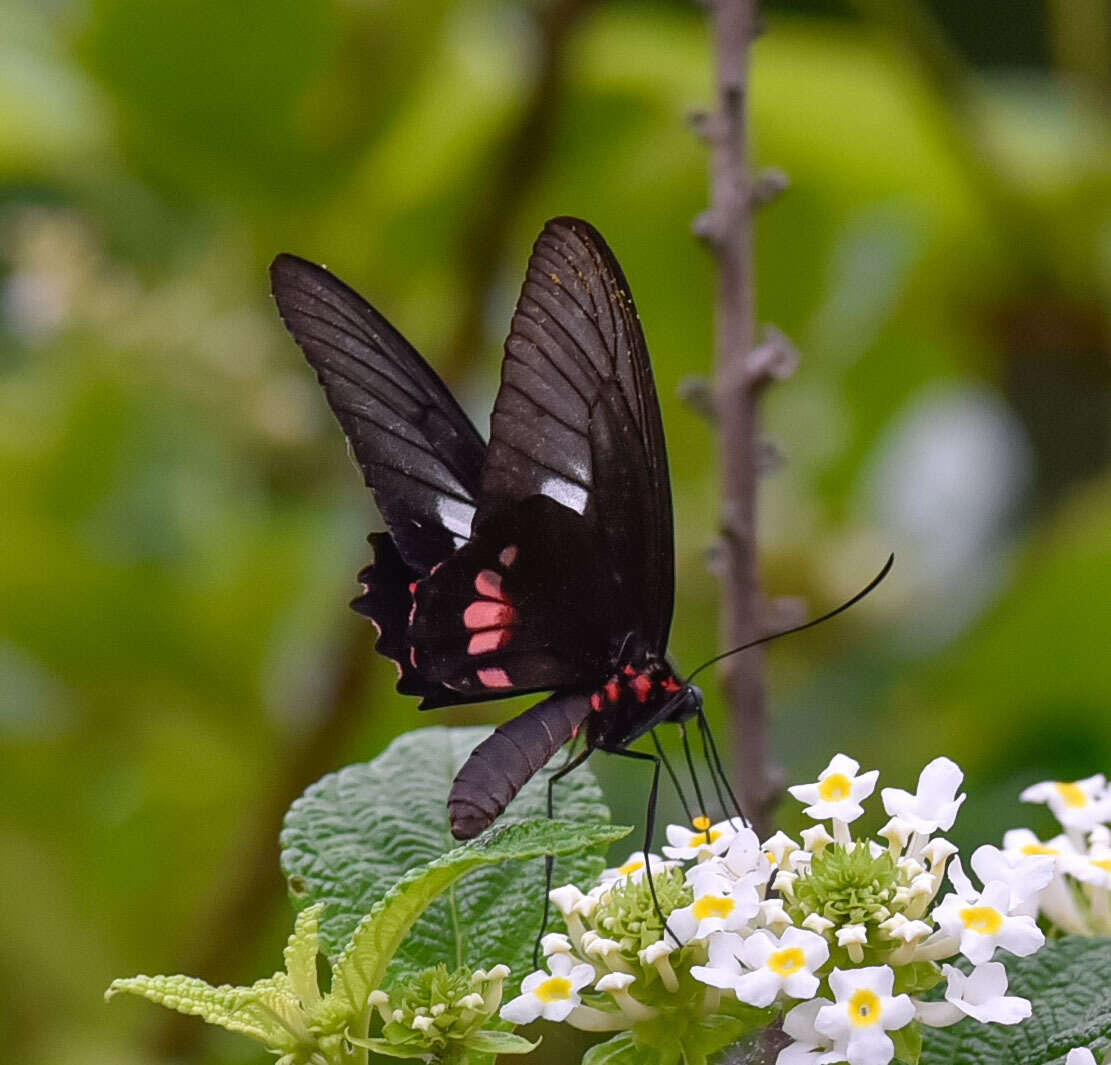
418, 451
577, 419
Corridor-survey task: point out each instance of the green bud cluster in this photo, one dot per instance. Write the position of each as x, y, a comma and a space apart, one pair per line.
438, 1006
845, 885
628, 915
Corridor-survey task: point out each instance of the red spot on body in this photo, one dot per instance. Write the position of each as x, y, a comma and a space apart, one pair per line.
508, 555
596, 701
483, 614
488, 584
491, 640
671, 685
642, 685
494, 678
613, 690
412, 588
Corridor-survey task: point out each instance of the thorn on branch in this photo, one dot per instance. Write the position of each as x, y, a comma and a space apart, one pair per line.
768, 458
773, 360
694, 390
769, 185
707, 126
707, 227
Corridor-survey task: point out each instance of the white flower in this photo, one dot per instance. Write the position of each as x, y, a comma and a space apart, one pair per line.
785, 965
779, 848
810, 1047
555, 943
704, 841
1079, 804
1021, 843
980, 994
983, 921
633, 868
551, 995
723, 968
1080, 1056
864, 1012
934, 806
1025, 875
566, 898
854, 937
720, 905
1091, 868
838, 792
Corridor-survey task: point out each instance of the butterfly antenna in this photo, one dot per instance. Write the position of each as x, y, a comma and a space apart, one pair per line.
671, 773
872, 585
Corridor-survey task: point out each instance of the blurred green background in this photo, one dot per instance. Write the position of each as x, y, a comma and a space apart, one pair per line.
180, 526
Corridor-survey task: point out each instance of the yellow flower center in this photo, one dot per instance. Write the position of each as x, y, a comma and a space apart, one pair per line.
1102, 863
787, 961
554, 989
701, 822
864, 1008
1072, 795
631, 866
712, 906
835, 788
983, 919
1039, 848
770, 857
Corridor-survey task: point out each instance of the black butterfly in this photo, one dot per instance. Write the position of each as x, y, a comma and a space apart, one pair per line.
542, 562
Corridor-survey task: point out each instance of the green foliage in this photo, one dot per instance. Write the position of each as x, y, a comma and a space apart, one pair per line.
356, 832
287, 1012
1067, 983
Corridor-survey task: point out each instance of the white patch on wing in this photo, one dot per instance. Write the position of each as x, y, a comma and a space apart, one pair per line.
573, 496
455, 516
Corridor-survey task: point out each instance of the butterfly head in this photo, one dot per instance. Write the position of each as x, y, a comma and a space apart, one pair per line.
686, 703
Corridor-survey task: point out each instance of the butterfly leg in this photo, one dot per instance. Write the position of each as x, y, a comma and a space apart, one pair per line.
649, 827
691, 770
714, 760
672, 774
573, 762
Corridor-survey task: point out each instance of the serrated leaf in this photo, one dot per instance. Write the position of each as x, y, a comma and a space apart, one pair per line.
300, 957
233, 1008
484, 1041
355, 833
361, 967
1068, 982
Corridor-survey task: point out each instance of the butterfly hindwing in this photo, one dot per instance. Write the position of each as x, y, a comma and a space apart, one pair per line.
523, 607
577, 418
418, 451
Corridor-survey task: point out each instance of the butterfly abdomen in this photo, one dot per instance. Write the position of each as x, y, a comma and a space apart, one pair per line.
499, 766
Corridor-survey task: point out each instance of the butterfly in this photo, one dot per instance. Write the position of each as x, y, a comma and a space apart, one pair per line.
540, 562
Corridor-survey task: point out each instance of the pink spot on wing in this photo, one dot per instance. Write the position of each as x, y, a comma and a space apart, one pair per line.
413, 656
494, 678
596, 701
671, 685
642, 685
613, 690
482, 614
508, 555
488, 583
629, 671
491, 640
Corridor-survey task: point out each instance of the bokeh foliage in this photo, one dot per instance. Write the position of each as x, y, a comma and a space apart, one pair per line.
180, 527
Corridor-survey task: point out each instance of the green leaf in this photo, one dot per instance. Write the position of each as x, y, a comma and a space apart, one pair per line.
1066, 982
707, 1035
388, 1049
485, 1041
917, 978
620, 1050
300, 957
361, 968
908, 1043
238, 1009
356, 833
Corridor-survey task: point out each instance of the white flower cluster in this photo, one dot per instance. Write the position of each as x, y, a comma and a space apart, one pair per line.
1075, 892
839, 935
